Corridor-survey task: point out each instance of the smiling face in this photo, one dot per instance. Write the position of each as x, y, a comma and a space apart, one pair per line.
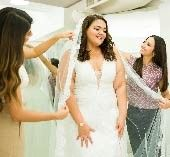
96, 33
147, 48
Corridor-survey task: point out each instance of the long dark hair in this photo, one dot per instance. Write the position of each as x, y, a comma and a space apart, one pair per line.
4, 12
159, 58
106, 46
13, 31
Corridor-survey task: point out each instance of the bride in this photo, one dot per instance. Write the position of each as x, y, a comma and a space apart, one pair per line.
97, 96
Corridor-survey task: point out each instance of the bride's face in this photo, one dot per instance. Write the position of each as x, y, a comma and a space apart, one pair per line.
96, 33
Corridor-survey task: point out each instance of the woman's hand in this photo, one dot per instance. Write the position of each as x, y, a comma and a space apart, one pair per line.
68, 35
120, 125
84, 134
165, 104
62, 112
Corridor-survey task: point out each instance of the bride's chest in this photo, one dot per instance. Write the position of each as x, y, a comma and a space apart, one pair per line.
86, 73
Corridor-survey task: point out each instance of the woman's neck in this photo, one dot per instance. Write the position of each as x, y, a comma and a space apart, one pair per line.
147, 60
94, 50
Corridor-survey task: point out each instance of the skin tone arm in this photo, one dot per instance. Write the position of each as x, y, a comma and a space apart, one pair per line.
84, 130
32, 52
20, 114
48, 64
120, 87
126, 55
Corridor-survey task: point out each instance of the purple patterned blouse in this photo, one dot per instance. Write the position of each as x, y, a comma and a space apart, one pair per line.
151, 75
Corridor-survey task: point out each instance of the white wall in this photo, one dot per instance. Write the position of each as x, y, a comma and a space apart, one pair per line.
47, 19
46, 22
130, 28
68, 20
165, 28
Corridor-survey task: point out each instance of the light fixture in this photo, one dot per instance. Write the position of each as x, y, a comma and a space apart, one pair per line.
19, 2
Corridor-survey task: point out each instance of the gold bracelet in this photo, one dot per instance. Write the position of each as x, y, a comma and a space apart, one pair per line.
81, 124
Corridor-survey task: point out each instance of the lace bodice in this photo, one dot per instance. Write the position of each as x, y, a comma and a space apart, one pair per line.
89, 86
87, 77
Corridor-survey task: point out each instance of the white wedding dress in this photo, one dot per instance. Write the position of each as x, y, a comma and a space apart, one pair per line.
97, 102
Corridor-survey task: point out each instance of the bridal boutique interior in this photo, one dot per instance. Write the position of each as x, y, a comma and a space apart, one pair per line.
129, 22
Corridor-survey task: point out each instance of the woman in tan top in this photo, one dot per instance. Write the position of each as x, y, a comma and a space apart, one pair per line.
14, 32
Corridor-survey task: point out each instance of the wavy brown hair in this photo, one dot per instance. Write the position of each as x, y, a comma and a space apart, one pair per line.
106, 46
13, 31
159, 58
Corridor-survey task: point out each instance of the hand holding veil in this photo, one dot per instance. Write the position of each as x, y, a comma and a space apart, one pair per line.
63, 82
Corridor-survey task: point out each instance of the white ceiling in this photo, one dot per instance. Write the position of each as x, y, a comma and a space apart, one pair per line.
60, 3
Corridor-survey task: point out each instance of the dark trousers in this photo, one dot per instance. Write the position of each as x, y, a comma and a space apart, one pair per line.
138, 124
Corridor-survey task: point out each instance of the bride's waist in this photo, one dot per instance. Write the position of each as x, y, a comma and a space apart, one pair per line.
95, 94
94, 89
93, 101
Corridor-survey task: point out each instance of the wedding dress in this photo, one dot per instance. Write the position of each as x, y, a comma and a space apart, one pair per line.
97, 102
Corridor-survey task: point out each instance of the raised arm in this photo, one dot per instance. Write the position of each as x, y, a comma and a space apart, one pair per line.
47, 63
126, 55
32, 52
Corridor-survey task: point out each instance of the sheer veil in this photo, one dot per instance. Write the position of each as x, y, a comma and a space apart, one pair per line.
67, 63
66, 67
63, 82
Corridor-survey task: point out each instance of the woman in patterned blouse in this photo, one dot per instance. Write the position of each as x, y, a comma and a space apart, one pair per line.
142, 111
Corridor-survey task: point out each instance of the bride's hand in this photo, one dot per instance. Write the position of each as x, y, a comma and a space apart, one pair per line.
120, 125
84, 134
